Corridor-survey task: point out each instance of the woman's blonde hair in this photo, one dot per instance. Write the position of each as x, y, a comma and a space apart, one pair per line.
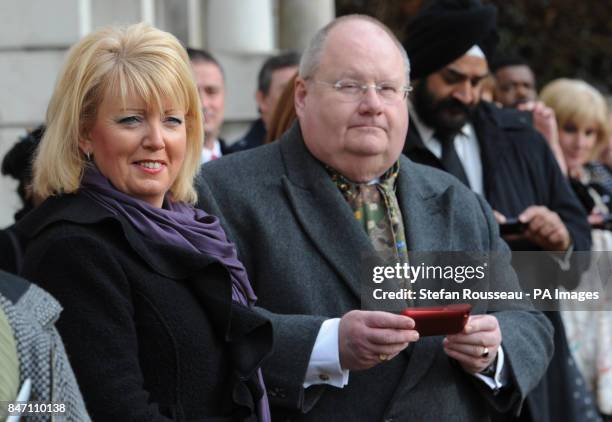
574, 100
119, 61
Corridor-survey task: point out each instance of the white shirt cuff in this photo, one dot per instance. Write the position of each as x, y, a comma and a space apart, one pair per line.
501, 373
324, 365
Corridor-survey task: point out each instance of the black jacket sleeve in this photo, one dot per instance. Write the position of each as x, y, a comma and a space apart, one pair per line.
564, 202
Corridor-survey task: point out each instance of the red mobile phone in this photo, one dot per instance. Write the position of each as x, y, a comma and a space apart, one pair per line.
439, 320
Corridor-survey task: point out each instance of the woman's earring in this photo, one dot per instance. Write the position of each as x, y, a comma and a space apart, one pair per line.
88, 154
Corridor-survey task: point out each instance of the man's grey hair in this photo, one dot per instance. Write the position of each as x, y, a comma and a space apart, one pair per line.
311, 57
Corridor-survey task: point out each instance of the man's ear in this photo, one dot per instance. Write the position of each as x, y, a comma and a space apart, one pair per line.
260, 99
300, 95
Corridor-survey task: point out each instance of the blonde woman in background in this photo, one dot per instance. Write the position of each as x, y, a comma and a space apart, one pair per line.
582, 119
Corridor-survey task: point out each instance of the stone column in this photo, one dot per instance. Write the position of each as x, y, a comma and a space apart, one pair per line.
240, 25
299, 20
241, 35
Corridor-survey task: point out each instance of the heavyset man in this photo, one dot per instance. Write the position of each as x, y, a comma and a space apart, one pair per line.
303, 211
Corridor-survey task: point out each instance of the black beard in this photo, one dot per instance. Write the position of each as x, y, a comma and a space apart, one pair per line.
433, 112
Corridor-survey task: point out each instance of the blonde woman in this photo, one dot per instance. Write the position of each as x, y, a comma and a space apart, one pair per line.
583, 133
157, 319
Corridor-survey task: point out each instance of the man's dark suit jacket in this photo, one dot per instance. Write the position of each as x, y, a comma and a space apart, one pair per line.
519, 170
301, 246
255, 137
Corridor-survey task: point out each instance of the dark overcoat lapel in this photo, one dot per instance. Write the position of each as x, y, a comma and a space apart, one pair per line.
323, 213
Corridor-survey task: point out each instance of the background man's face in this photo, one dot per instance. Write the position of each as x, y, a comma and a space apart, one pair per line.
514, 85
267, 102
211, 88
445, 100
360, 139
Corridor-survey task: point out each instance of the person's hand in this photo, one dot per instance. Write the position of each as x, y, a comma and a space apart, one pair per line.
475, 348
596, 218
545, 122
367, 338
545, 228
499, 217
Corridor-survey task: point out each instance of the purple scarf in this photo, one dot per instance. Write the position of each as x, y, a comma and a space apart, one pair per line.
184, 226
176, 223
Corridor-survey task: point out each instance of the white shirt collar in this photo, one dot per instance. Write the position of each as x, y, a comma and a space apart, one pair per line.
466, 145
427, 133
208, 154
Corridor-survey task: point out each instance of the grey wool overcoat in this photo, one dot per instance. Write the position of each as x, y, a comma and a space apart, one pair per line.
301, 246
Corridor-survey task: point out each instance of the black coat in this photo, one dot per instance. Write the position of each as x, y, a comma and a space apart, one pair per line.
223, 146
255, 137
519, 170
9, 250
150, 329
